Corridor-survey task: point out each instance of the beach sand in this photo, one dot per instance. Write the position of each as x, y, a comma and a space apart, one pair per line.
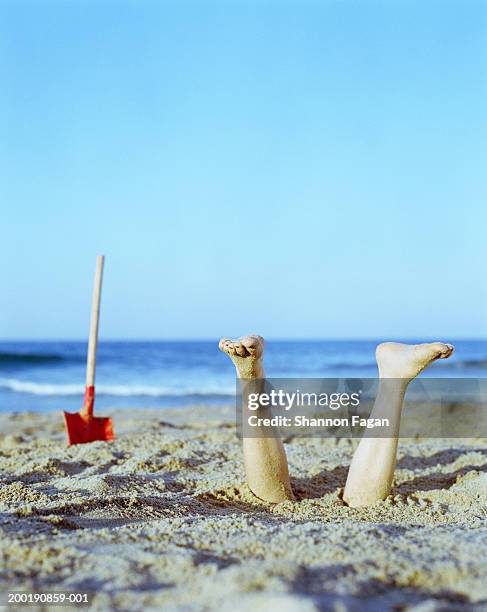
161, 519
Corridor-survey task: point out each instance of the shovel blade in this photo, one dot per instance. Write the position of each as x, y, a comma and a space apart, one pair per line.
81, 431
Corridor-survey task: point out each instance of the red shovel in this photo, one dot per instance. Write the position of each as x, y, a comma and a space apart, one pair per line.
82, 426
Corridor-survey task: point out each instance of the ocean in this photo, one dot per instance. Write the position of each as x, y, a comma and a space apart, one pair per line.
43, 376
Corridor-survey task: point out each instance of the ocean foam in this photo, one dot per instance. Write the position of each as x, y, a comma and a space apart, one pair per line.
34, 388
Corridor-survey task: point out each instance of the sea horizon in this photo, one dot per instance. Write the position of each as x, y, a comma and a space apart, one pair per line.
50, 375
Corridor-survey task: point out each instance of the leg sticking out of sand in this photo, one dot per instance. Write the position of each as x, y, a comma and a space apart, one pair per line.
372, 469
264, 458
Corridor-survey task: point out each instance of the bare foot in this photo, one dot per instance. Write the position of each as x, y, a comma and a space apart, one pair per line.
406, 361
246, 353
372, 469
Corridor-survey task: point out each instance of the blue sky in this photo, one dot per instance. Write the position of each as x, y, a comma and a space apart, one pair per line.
295, 169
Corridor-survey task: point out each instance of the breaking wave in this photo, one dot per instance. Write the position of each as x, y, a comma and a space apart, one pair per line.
34, 388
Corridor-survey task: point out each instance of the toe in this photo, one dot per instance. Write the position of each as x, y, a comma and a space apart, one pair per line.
227, 346
446, 350
240, 349
436, 350
222, 343
253, 344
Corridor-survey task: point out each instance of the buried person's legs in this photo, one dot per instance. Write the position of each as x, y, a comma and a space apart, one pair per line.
372, 469
264, 457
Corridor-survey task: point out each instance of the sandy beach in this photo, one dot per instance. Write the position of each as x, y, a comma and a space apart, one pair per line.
161, 518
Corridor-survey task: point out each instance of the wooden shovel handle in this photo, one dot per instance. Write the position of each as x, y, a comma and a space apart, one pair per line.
95, 317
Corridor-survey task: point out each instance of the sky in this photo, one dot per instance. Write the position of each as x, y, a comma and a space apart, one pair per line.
294, 169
